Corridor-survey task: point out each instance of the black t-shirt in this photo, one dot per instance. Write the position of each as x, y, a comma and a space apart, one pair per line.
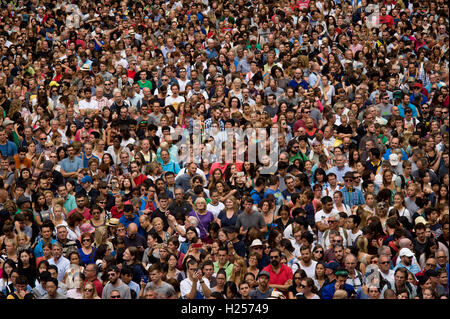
344, 129
160, 214
6, 105
419, 247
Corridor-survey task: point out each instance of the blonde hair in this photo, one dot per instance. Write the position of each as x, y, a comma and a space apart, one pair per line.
100, 235
239, 277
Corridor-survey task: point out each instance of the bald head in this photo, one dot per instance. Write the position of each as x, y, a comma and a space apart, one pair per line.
404, 243
132, 229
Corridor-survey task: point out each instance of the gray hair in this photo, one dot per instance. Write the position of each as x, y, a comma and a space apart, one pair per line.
335, 215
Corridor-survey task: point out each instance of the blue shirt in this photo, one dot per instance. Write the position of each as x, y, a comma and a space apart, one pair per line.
413, 268
171, 166
71, 166
8, 149
388, 152
294, 84
277, 194
340, 172
353, 198
123, 220
328, 290
38, 249
401, 110
86, 159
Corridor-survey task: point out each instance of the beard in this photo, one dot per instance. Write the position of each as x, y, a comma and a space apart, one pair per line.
275, 263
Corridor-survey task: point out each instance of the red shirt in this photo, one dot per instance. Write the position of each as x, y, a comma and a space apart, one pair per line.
284, 274
389, 20
86, 213
223, 167
116, 213
139, 179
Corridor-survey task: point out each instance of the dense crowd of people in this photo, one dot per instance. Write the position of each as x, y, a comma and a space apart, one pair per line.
121, 174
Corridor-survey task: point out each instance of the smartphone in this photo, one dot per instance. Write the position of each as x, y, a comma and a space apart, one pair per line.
145, 278
240, 174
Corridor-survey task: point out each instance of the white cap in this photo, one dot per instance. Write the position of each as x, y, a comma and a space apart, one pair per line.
256, 242
393, 159
406, 252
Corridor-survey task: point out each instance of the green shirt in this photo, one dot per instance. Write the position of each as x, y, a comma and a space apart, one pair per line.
146, 84
228, 268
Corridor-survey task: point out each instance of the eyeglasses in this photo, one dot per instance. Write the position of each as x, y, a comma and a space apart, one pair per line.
319, 252
384, 262
297, 278
333, 221
430, 265
307, 112
274, 257
348, 180
86, 240
102, 202
88, 289
115, 297
303, 286
111, 274
257, 248
374, 261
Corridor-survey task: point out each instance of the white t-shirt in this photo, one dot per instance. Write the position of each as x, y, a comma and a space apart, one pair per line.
84, 105
321, 216
310, 270
352, 237
186, 286
215, 209
403, 212
170, 100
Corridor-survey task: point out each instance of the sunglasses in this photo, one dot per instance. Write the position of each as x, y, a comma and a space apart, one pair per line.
115, 297
384, 262
88, 289
86, 240
318, 252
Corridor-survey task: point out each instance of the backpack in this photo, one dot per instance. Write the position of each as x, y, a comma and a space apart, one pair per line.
403, 181
408, 286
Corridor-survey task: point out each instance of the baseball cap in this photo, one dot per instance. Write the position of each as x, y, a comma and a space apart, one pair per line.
263, 273
406, 252
420, 219
393, 159
86, 179
22, 200
341, 272
417, 85
332, 265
